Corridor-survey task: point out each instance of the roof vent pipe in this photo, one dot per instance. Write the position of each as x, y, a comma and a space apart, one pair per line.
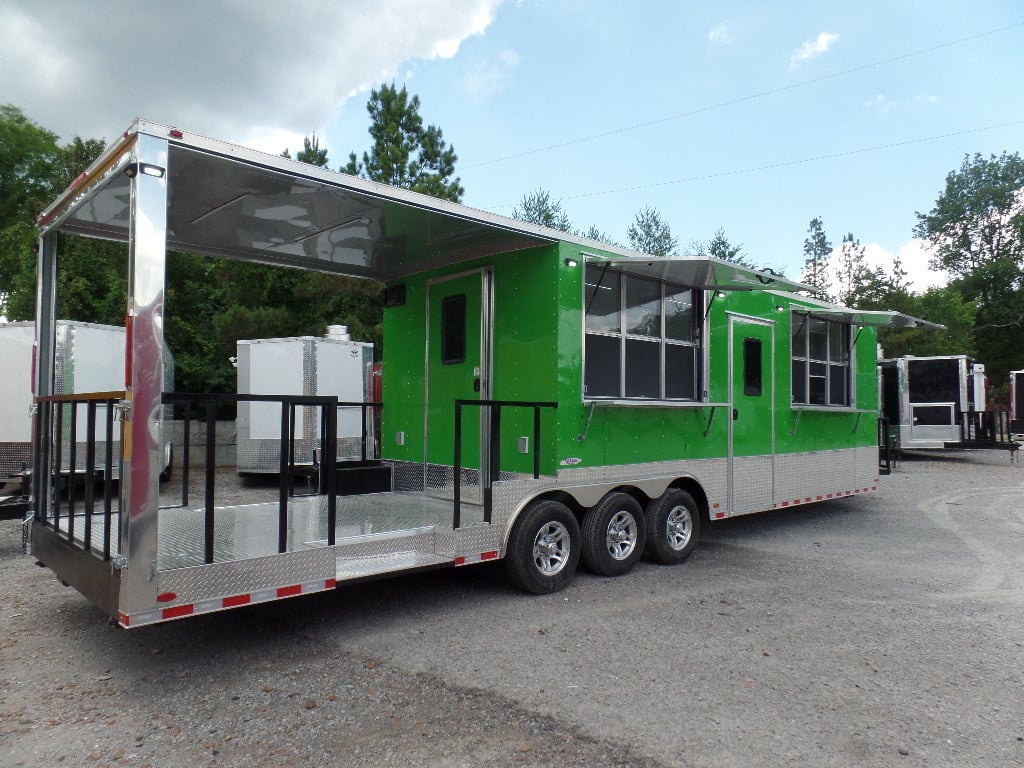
338, 332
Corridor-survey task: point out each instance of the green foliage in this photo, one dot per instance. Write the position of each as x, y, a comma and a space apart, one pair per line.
943, 305
651, 234
719, 247
311, 152
817, 249
979, 216
856, 280
27, 154
405, 153
538, 208
976, 231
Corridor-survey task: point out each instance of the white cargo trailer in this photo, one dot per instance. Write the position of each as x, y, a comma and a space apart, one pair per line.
332, 365
89, 358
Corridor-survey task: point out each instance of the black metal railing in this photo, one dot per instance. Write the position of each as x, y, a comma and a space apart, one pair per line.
494, 449
985, 429
325, 466
887, 448
58, 418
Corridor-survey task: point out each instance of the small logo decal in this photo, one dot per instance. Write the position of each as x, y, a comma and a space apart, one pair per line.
570, 462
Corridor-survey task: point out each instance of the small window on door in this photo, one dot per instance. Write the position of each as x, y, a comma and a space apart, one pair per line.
453, 329
752, 384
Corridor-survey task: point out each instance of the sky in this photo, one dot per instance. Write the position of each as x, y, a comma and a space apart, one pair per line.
749, 117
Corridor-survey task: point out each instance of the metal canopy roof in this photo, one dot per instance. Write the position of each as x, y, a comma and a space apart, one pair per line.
708, 273
229, 201
875, 318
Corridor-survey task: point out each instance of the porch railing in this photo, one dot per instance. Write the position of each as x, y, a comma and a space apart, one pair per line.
494, 449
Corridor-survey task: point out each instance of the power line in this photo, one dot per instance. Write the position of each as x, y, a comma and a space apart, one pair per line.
742, 99
783, 164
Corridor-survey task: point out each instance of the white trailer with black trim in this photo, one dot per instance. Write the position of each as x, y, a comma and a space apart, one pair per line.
939, 401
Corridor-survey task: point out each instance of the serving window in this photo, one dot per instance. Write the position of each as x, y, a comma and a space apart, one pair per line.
821, 361
640, 337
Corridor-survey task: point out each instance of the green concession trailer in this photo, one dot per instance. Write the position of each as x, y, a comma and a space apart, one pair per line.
545, 399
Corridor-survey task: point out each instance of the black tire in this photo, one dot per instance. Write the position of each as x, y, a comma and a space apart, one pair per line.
614, 533
673, 527
544, 548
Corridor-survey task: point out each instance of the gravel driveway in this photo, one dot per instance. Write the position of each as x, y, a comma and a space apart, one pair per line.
883, 630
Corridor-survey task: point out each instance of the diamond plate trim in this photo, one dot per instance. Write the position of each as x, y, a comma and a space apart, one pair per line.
244, 576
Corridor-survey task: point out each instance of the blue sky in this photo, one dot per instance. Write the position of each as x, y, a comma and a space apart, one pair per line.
747, 116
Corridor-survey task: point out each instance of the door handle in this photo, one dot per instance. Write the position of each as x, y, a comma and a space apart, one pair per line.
735, 414
476, 385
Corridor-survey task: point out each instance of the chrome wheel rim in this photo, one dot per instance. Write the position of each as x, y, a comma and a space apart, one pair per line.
551, 547
621, 536
678, 527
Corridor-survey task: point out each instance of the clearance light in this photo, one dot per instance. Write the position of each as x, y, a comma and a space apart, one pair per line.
146, 169
571, 262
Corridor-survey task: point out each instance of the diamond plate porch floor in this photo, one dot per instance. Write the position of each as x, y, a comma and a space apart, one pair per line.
246, 531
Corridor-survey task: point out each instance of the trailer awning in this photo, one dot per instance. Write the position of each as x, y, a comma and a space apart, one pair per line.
876, 318
704, 272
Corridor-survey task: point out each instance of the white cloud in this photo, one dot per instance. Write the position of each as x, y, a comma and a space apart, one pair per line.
881, 104
488, 78
720, 35
927, 98
914, 256
251, 71
813, 49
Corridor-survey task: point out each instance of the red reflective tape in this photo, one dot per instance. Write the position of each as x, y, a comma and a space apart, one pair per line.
166, 597
807, 500
817, 498
123, 619
460, 560
489, 555
719, 515
231, 602
78, 180
176, 611
330, 583
289, 591
785, 503
175, 133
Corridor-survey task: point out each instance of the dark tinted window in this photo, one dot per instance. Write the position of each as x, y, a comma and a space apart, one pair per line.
752, 384
453, 329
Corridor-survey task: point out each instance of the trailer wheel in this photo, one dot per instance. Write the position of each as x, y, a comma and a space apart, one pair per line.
613, 535
673, 527
544, 548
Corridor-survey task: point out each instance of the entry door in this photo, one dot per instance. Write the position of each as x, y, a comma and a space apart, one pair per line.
457, 368
752, 420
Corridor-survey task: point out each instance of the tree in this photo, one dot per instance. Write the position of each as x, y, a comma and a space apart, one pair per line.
538, 208
27, 153
855, 280
593, 233
719, 247
816, 252
405, 153
976, 231
979, 216
651, 234
311, 152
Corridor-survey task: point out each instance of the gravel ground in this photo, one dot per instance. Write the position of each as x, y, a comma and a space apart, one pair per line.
871, 631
